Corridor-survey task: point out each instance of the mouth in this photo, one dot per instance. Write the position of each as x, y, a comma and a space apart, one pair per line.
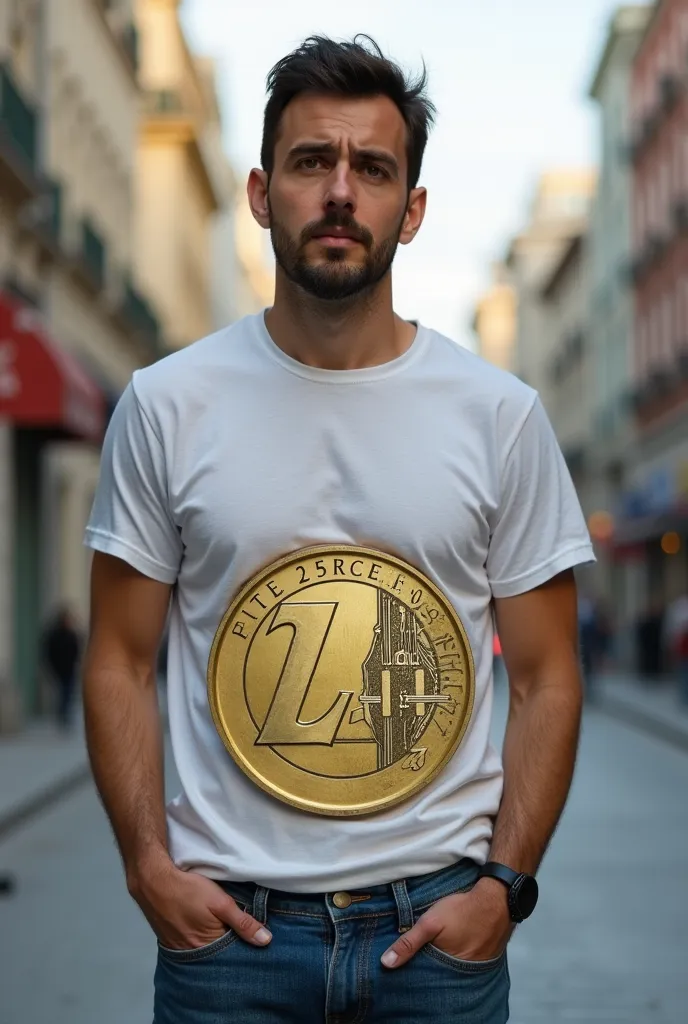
336, 238
336, 241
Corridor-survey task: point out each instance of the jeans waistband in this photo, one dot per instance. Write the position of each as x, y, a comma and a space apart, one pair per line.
402, 897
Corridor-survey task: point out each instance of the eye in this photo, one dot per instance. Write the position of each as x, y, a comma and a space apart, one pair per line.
374, 172
309, 163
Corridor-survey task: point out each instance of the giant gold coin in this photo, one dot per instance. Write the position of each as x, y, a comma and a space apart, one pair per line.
341, 680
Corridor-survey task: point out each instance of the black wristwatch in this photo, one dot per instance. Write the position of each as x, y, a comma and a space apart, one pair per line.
522, 893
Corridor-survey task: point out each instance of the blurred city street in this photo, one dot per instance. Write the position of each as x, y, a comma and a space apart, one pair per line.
555, 248
607, 942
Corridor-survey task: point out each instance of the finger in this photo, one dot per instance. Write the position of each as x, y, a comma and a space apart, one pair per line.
240, 921
408, 944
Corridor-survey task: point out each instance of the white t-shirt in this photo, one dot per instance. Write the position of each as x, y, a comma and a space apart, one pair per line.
229, 454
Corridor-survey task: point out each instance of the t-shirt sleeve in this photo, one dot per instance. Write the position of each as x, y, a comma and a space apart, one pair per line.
131, 517
539, 529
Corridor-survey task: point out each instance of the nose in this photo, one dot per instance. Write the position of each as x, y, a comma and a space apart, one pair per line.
340, 193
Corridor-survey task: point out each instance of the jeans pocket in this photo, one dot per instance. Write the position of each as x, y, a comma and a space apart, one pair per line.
200, 952
464, 966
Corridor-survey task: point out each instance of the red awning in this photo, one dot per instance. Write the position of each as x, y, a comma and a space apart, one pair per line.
41, 384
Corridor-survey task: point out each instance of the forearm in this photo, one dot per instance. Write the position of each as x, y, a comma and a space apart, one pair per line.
539, 756
125, 747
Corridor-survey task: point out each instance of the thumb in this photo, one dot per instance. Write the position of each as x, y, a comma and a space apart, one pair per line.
408, 944
240, 921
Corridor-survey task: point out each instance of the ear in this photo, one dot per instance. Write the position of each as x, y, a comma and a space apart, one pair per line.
415, 212
257, 191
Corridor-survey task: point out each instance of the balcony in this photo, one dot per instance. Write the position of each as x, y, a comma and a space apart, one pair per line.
124, 33
173, 115
42, 217
680, 215
165, 102
649, 256
644, 134
89, 258
659, 384
682, 361
19, 171
54, 219
129, 38
670, 90
136, 316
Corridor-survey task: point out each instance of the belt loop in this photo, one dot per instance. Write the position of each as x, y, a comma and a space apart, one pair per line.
260, 904
404, 907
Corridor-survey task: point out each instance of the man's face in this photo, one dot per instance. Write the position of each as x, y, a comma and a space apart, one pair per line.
338, 202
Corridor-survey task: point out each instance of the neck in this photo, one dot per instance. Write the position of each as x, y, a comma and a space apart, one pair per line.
348, 335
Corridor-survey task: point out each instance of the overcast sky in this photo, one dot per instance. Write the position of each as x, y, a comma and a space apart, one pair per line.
510, 81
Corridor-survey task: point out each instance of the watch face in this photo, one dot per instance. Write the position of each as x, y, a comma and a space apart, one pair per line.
527, 895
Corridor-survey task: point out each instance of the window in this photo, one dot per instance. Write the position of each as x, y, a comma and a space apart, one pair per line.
655, 340
653, 203
641, 347
667, 190
676, 184
640, 213
667, 326
682, 325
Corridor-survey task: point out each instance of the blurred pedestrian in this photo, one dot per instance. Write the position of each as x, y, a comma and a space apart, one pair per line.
650, 629
588, 637
595, 637
676, 634
62, 650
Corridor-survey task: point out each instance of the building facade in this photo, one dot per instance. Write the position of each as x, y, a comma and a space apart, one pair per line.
559, 212
564, 295
181, 179
242, 280
74, 320
651, 537
494, 320
610, 322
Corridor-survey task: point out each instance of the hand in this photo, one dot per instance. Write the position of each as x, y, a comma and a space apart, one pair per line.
187, 910
472, 925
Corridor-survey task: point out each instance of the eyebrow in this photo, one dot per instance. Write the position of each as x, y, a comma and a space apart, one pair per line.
377, 156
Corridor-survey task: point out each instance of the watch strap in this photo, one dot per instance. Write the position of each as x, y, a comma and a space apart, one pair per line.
499, 871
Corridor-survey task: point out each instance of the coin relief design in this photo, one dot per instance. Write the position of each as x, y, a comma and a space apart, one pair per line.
341, 680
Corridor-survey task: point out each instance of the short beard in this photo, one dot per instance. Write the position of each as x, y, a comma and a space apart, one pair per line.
333, 280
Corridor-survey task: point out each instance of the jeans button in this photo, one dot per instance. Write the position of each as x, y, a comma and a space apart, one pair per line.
342, 900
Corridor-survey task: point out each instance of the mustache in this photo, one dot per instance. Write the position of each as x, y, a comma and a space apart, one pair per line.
338, 219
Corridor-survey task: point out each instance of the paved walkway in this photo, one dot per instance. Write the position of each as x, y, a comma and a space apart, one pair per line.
41, 764
651, 705
38, 766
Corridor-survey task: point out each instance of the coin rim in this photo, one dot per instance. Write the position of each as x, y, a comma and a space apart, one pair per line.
300, 803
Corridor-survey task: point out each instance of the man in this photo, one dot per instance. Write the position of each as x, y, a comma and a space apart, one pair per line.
337, 497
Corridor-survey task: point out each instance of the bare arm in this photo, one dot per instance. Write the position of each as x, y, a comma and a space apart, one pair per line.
123, 731
124, 739
539, 637
538, 632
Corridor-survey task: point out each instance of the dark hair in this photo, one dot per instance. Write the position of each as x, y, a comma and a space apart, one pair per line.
348, 69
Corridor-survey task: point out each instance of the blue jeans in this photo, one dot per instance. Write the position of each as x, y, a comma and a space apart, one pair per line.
323, 964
